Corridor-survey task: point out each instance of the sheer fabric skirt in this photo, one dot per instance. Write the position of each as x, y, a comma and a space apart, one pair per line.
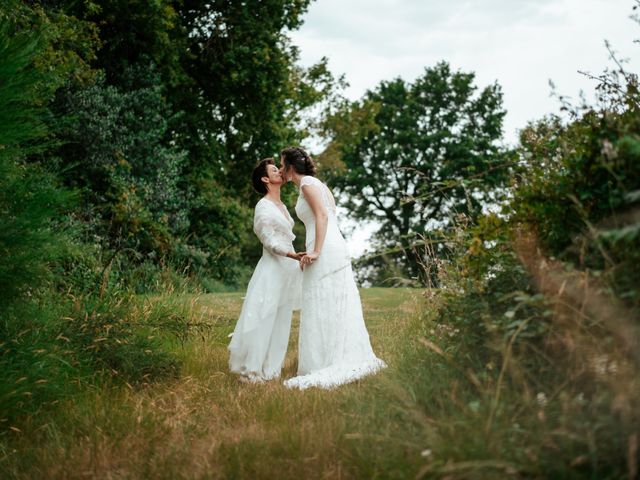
334, 345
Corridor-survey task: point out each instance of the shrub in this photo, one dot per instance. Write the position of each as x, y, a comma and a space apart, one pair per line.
534, 331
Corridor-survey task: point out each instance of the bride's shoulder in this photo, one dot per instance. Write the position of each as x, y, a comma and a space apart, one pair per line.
262, 204
309, 180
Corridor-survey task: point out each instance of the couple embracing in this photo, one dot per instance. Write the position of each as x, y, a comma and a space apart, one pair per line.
334, 346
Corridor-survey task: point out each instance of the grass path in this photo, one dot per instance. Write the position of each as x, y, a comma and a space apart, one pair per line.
207, 424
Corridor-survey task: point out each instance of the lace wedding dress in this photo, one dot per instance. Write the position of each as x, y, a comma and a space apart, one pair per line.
334, 346
260, 339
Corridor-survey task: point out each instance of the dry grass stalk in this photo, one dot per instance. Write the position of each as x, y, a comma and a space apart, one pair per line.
580, 292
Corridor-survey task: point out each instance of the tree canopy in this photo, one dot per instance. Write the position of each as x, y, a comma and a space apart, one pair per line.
412, 157
161, 109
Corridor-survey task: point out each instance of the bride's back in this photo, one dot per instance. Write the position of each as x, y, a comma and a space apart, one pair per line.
303, 209
335, 252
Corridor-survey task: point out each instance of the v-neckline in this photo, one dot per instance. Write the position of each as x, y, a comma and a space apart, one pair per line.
279, 209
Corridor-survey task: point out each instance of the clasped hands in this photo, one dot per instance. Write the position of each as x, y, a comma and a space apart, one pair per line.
304, 258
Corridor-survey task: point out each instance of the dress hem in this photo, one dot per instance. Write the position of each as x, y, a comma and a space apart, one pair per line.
336, 375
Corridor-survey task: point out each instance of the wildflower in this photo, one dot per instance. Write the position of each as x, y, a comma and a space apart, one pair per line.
541, 398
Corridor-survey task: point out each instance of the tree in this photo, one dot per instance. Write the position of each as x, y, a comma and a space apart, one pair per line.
230, 77
247, 93
116, 153
407, 156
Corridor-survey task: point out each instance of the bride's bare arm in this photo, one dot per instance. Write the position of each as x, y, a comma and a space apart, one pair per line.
314, 198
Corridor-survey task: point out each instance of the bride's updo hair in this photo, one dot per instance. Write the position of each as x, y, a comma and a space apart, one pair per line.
260, 171
300, 160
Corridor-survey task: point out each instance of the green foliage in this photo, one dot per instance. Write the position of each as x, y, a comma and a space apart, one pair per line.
431, 149
115, 153
578, 186
485, 290
29, 197
246, 91
584, 172
151, 34
534, 330
29, 200
219, 225
69, 43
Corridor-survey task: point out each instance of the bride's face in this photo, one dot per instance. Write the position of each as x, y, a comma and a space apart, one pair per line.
284, 171
274, 175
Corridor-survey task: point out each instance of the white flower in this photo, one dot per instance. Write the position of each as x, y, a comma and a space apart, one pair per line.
425, 453
541, 398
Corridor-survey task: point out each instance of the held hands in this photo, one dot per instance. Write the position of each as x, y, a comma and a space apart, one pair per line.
298, 256
308, 259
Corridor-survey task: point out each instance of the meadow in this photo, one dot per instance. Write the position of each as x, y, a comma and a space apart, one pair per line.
208, 424
442, 409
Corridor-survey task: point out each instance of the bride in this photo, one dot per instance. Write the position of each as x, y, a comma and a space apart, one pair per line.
259, 341
334, 346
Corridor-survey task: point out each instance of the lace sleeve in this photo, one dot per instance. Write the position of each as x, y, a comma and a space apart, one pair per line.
309, 180
265, 227
327, 199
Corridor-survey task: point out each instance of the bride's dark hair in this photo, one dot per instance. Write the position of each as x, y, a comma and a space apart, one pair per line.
300, 160
260, 171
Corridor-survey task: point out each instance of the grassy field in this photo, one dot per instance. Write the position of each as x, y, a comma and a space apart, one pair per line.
207, 424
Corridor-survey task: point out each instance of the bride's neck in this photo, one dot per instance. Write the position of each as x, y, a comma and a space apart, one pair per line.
273, 193
296, 178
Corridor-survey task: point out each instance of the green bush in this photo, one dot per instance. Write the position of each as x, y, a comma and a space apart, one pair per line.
579, 188
64, 324
29, 196
534, 330
115, 152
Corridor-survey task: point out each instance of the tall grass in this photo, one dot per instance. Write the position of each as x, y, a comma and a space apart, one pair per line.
205, 423
545, 388
459, 400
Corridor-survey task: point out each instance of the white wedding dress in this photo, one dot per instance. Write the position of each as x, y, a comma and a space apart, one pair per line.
334, 346
260, 339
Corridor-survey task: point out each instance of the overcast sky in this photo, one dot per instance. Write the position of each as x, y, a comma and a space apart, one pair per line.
521, 44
